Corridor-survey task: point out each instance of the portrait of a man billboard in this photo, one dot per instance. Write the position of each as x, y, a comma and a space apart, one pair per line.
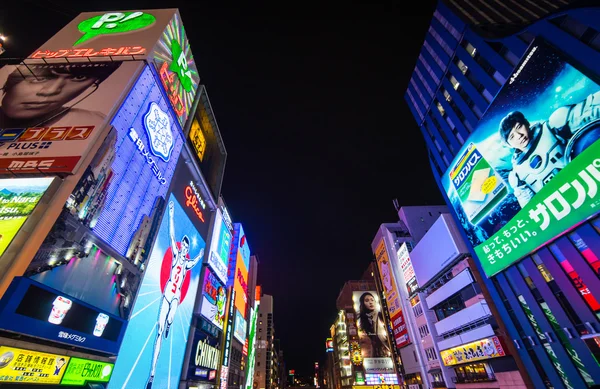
544, 118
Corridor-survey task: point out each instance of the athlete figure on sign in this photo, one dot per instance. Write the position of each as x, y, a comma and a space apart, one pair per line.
172, 292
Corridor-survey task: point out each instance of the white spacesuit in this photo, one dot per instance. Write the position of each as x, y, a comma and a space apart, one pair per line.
544, 148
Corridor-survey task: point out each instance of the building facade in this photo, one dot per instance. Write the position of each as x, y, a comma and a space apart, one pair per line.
480, 62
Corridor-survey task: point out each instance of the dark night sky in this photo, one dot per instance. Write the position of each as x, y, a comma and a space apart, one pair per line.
310, 103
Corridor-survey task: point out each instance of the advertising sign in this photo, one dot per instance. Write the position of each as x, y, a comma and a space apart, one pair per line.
391, 295
190, 193
240, 327
228, 330
52, 114
529, 171
18, 198
407, 269
176, 68
384, 381
81, 371
329, 345
158, 327
220, 247
372, 331
206, 141
378, 365
474, 351
107, 35
205, 359
31, 308
214, 300
252, 346
238, 265
25, 366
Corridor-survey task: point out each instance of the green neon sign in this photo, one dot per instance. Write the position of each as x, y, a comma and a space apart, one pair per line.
113, 23
81, 371
180, 66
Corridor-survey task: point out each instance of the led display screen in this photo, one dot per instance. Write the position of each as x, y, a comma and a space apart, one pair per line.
240, 327
18, 198
154, 343
220, 247
32, 308
205, 358
43, 135
81, 371
214, 300
238, 264
252, 345
529, 171
392, 296
372, 331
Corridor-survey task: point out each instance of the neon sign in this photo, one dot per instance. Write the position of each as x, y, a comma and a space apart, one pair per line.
85, 53
113, 23
194, 200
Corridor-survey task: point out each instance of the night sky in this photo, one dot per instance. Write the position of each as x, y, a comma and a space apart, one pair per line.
310, 103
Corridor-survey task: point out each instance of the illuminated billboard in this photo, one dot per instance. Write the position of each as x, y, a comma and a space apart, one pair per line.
329, 345
474, 351
107, 35
214, 300
29, 307
52, 114
156, 336
238, 265
18, 199
372, 331
176, 68
81, 371
240, 327
220, 247
205, 358
26, 366
252, 345
392, 296
119, 199
529, 171
205, 139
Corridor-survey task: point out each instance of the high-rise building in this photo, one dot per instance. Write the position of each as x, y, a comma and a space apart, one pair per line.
506, 95
266, 370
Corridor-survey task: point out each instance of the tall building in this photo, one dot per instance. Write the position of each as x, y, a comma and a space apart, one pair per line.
506, 96
266, 370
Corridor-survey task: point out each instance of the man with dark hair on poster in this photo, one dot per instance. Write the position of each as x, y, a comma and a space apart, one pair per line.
37, 95
542, 149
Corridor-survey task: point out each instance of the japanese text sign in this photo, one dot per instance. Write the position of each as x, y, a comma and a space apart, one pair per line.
25, 366
529, 171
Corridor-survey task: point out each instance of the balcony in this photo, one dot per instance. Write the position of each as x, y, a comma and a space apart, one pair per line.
451, 287
473, 377
463, 317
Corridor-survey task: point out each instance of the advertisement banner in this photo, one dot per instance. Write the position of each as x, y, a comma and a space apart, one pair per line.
529, 171
191, 194
214, 300
329, 345
176, 68
81, 371
52, 114
26, 366
238, 265
378, 365
372, 331
158, 328
407, 269
18, 199
252, 346
31, 308
220, 247
205, 359
107, 36
240, 327
206, 141
391, 295
474, 351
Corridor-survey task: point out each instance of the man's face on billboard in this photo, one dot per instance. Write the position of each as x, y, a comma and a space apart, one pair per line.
518, 138
43, 93
185, 248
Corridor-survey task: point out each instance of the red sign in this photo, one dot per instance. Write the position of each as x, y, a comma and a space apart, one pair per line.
39, 164
245, 348
400, 330
85, 53
168, 81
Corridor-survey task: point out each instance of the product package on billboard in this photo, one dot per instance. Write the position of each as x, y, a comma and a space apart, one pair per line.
372, 331
52, 114
119, 199
214, 300
530, 170
158, 328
